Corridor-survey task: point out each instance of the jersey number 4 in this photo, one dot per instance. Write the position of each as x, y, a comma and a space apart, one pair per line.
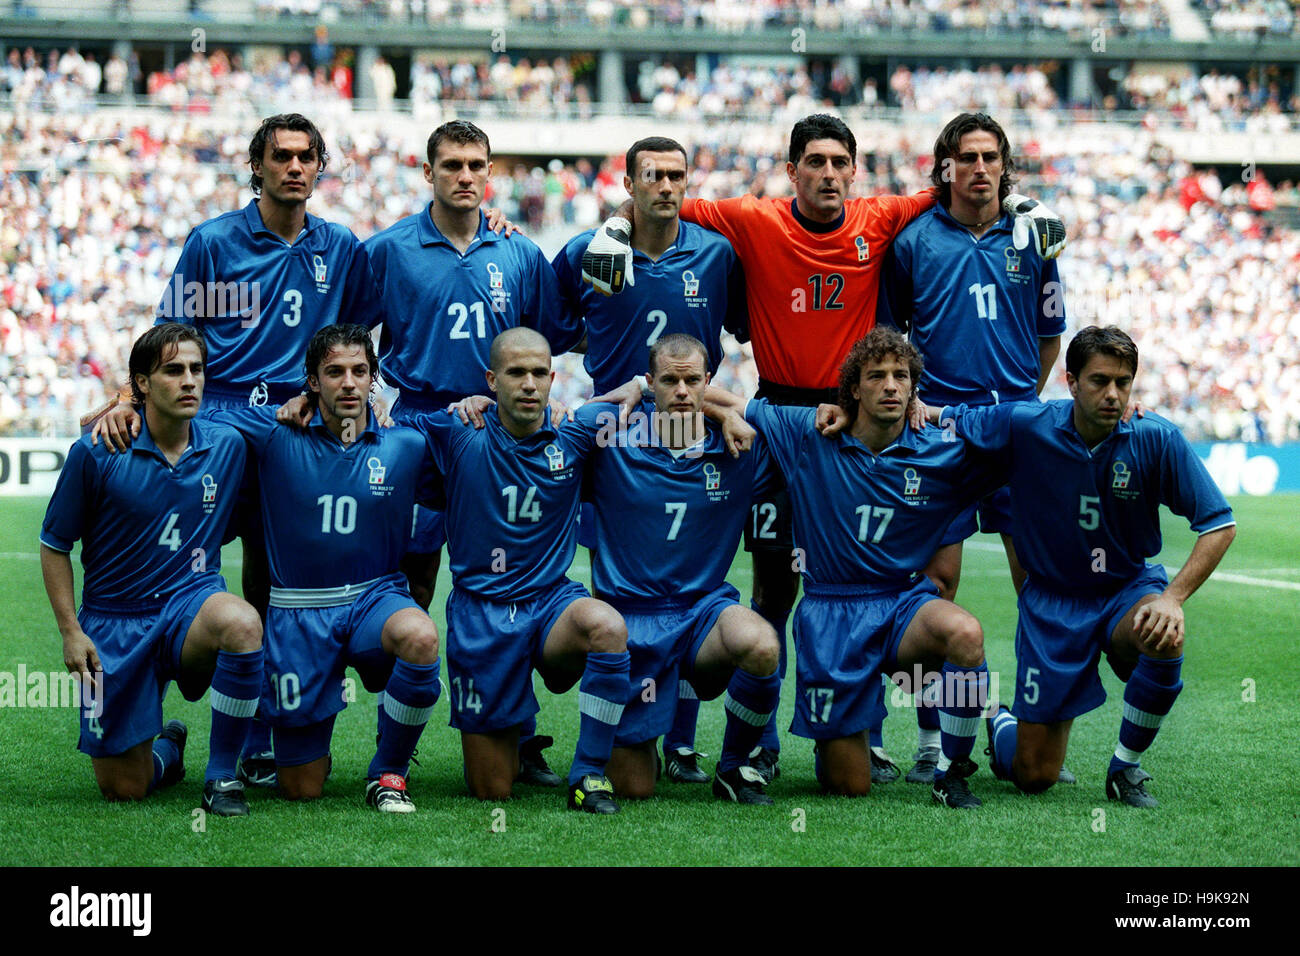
171, 535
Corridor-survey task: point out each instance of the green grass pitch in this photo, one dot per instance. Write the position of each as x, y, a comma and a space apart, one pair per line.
1224, 763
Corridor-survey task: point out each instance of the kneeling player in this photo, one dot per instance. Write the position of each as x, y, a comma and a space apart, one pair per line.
336, 500
670, 503
1084, 536
512, 494
870, 505
154, 607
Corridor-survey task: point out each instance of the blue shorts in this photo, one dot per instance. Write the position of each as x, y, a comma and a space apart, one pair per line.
295, 746
1059, 640
140, 651
663, 645
845, 638
994, 518
492, 651
309, 647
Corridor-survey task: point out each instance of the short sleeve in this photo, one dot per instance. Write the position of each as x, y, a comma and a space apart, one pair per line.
785, 429
986, 429
1187, 488
256, 423
73, 501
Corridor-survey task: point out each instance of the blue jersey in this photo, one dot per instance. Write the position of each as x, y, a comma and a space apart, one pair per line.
147, 527
1087, 520
444, 308
667, 522
976, 308
258, 300
512, 504
869, 519
334, 514
697, 287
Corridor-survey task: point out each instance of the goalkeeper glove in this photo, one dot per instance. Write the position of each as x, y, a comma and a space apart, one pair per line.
1032, 217
607, 263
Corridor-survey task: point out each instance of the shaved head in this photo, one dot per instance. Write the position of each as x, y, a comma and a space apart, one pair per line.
516, 338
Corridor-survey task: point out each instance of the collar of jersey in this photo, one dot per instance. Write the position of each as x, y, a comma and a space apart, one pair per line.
144, 442
812, 225
1002, 225
431, 235
370, 430
905, 443
687, 241
492, 421
712, 442
1065, 423
253, 216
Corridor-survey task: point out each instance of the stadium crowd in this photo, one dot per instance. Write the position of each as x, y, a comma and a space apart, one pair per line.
93, 214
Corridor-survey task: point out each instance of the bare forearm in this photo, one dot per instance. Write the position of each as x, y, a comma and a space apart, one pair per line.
1205, 557
56, 570
1048, 350
718, 402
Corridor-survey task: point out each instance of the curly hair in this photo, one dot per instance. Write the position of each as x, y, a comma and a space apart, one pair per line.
873, 347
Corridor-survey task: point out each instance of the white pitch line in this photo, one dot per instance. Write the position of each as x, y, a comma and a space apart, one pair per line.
1257, 582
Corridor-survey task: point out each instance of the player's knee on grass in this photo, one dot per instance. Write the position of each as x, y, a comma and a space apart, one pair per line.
491, 763
304, 782
1035, 777
845, 766
121, 786
632, 771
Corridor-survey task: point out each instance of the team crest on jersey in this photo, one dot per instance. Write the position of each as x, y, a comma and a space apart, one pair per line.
864, 252
209, 494
318, 272
691, 284
712, 477
259, 395
377, 470
1013, 260
1121, 478
554, 457
911, 483
497, 287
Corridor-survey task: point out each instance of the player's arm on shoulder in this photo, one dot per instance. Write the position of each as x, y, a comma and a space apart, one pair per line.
986, 429
118, 424
900, 210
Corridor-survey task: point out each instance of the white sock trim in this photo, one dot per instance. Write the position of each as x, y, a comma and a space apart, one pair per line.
751, 717
405, 713
1126, 755
1141, 717
232, 706
598, 708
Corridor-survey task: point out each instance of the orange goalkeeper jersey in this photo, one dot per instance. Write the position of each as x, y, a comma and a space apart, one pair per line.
811, 294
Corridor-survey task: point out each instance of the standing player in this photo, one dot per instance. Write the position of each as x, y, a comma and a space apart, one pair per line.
1085, 494
812, 271
986, 315
512, 505
259, 282
154, 606
670, 505
869, 507
450, 286
336, 500
691, 283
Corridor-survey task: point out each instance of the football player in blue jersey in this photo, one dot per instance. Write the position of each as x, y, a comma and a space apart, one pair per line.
670, 503
869, 507
336, 501
691, 282
154, 605
1085, 494
259, 282
512, 492
988, 317
451, 285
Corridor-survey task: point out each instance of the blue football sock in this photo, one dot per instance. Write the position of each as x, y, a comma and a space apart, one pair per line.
1004, 743
258, 738
409, 697
749, 703
770, 739
601, 696
927, 709
1148, 697
236, 687
961, 701
681, 736
165, 753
